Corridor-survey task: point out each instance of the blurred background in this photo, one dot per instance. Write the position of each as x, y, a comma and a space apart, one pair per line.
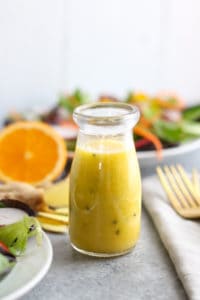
108, 46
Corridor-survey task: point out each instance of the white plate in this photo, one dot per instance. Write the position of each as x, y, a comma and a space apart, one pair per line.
29, 270
147, 158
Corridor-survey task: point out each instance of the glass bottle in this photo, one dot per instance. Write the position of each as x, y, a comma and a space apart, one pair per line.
105, 184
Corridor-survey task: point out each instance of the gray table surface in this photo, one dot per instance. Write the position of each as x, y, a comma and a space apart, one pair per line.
146, 273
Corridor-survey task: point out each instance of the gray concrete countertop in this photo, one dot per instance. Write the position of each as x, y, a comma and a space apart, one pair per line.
146, 273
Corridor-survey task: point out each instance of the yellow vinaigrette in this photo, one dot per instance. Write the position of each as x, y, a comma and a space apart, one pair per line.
105, 198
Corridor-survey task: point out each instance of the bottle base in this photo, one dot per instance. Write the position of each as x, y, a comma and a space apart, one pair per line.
102, 254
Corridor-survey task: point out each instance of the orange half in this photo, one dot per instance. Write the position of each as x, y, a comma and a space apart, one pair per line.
31, 152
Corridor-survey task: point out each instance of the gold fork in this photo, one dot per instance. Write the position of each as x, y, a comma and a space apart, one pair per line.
183, 194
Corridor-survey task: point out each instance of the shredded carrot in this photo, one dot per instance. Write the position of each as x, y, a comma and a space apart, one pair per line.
145, 133
145, 122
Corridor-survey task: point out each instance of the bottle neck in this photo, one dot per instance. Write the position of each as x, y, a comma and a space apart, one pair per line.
102, 142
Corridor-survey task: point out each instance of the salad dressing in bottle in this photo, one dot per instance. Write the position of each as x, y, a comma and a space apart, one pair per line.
105, 186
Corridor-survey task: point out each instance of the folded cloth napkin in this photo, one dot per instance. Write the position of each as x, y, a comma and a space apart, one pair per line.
181, 237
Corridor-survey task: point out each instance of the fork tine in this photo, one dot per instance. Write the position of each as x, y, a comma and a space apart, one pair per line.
195, 179
171, 196
181, 184
174, 180
189, 184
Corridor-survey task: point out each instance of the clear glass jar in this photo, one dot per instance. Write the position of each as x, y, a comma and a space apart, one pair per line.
105, 185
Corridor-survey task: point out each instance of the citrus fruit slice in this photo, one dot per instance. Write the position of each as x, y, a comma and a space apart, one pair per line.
31, 152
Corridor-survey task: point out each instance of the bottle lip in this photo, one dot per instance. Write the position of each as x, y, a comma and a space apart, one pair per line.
105, 114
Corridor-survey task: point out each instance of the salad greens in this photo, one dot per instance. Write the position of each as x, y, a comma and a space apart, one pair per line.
192, 113
70, 102
7, 262
165, 120
13, 241
16, 235
5, 265
176, 132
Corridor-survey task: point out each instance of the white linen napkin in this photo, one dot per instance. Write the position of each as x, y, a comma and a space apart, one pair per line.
181, 237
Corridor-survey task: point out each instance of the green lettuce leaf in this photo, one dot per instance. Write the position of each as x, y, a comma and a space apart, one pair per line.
70, 102
176, 132
5, 265
192, 113
16, 235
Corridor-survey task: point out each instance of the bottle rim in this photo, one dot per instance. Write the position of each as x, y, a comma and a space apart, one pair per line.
119, 112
